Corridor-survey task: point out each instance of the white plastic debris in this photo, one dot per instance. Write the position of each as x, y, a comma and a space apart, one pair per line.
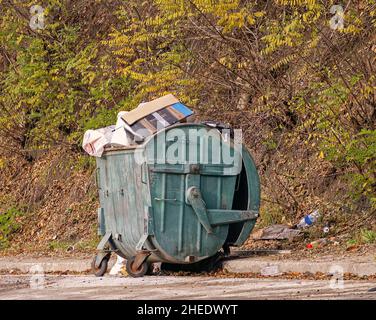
308, 220
122, 131
116, 269
95, 140
119, 136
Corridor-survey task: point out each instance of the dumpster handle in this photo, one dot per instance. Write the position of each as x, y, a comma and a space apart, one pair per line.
163, 199
199, 207
143, 173
97, 179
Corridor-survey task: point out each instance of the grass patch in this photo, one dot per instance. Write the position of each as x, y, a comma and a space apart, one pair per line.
82, 245
84, 163
363, 236
9, 224
270, 215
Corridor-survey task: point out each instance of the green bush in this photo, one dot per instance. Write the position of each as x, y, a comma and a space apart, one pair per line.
9, 225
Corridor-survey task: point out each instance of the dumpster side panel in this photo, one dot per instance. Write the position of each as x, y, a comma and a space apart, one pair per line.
124, 198
104, 189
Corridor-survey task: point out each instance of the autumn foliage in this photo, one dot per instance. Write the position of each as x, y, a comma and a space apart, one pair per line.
298, 76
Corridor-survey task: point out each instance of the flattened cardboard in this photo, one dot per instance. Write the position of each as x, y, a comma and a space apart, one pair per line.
148, 108
161, 119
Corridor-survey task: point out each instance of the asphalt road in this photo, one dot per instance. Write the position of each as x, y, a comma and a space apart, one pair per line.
89, 287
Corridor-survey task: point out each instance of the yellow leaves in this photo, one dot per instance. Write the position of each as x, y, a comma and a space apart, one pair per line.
311, 16
242, 65
251, 20
139, 61
259, 14
169, 17
145, 53
297, 2
288, 41
373, 15
274, 41
351, 29
225, 61
2, 163
233, 20
19, 39
61, 96
156, 21
116, 39
124, 51
367, 90
284, 61
219, 7
89, 77
321, 155
292, 33
240, 19
352, 24
176, 6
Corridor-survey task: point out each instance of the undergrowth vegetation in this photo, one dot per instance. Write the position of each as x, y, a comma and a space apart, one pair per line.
9, 224
299, 83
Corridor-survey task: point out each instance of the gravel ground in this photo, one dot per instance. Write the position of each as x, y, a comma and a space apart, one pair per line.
171, 287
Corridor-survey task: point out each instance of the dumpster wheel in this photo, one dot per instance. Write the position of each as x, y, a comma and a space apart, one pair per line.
136, 273
99, 272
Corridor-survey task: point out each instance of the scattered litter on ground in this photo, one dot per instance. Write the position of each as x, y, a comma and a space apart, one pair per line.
70, 249
308, 220
326, 228
117, 267
317, 243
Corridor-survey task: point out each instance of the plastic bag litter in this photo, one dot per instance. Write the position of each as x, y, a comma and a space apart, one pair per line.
120, 136
118, 266
95, 140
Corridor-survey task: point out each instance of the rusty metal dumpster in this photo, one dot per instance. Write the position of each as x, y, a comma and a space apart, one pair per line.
183, 195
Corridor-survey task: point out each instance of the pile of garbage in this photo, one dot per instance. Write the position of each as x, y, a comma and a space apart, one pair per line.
283, 231
291, 233
134, 126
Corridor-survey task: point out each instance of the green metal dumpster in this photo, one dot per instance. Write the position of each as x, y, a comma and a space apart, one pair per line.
180, 197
